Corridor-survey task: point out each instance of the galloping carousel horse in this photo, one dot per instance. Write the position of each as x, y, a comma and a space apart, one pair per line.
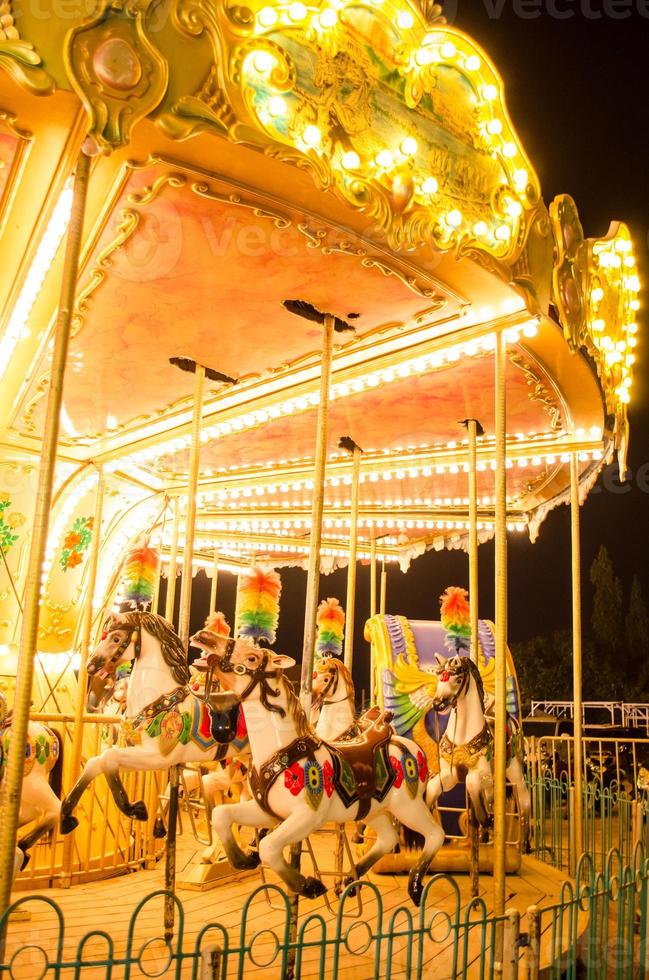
41, 788
165, 723
466, 748
299, 783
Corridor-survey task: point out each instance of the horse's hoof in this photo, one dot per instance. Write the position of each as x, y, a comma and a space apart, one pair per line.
246, 861
348, 880
159, 829
358, 838
313, 888
68, 823
415, 888
138, 811
26, 856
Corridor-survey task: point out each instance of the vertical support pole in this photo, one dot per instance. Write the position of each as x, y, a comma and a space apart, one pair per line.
533, 955
183, 633
13, 778
313, 581
578, 774
82, 680
350, 601
317, 506
512, 937
384, 588
173, 565
215, 579
373, 575
351, 567
500, 747
472, 429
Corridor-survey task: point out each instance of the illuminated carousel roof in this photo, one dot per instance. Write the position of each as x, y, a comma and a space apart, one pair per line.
358, 157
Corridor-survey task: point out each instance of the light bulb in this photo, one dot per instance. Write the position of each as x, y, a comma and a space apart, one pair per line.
480, 228
384, 159
263, 61
328, 17
351, 160
430, 186
276, 106
454, 218
409, 146
509, 150
267, 16
489, 93
448, 50
494, 126
311, 136
297, 11
405, 20
472, 63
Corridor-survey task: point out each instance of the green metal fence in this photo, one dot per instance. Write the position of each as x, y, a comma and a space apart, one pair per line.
397, 943
596, 929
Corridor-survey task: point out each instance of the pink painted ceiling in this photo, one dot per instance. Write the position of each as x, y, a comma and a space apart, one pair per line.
423, 409
8, 147
206, 280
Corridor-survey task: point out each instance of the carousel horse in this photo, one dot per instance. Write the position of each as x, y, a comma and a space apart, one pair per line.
466, 748
166, 723
41, 787
333, 712
299, 782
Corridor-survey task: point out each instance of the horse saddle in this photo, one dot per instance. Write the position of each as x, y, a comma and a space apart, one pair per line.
363, 768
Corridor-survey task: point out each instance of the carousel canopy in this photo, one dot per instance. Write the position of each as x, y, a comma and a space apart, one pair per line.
357, 157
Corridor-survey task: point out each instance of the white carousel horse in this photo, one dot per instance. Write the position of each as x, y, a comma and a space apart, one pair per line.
165, 724
466, 748
333, 711
41, 787
301, 783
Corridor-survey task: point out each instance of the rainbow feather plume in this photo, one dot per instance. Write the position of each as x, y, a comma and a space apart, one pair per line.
140, 576
456, 617
258, 604
217, 623
330, 620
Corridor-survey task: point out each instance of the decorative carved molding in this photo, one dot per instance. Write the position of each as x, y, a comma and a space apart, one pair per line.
539, 391
19, 58
114, 68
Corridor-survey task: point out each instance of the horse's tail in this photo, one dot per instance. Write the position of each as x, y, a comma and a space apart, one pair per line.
55, 777
411, 839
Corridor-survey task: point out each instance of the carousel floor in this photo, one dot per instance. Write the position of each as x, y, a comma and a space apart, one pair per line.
108, 905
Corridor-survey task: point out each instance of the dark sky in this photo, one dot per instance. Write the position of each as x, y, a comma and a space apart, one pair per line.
577, 92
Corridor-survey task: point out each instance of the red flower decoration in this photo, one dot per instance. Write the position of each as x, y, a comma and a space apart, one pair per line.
294, 778
423, 766
397, 769
328, 777
242, 730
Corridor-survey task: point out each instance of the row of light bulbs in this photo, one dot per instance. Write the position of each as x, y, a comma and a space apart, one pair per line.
274, 109
341, 389
616, 264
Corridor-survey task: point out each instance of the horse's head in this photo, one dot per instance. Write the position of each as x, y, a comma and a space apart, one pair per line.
240, 665
120, 643
454, 676
331, 680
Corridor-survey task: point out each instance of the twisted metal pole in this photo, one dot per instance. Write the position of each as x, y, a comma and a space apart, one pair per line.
578, 810
29, 631
173, 565
500, 710
350, 601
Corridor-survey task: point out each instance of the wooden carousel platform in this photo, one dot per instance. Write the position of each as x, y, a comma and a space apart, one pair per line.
108, 905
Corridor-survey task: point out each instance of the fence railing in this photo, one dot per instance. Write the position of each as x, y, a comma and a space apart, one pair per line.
597, 928
624, 713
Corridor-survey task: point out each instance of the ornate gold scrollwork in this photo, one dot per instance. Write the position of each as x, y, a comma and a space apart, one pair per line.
568, 276
539, 391
114, 68
19, 58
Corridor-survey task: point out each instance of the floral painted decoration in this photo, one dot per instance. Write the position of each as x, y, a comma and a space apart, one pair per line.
423, 766
328, 778
8, 523
294, 778
397, 768
76, 542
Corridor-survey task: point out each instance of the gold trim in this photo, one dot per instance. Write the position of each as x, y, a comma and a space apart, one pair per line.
539, 392
24, 137
20, 58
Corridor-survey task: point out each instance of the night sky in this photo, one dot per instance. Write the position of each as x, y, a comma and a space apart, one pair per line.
576, 89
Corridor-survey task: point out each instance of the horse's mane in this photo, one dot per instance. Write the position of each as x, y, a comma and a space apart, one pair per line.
477, 677
347, 677
295, 709
173, 652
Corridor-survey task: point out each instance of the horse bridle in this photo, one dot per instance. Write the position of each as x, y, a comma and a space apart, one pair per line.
258, 676
464, 670
132, 636
319, 701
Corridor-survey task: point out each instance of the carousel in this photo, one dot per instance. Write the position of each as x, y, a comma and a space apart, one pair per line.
280, 290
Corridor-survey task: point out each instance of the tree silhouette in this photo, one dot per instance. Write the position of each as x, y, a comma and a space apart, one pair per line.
636, 631
606, 620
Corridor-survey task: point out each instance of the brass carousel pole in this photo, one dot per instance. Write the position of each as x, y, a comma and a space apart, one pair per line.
313, 582
82, 679
173, 565
500, 747
384, 587
215, 579
350, 445
578, 809
183, 632
317, 507
373, 574
473, 430
29, 631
